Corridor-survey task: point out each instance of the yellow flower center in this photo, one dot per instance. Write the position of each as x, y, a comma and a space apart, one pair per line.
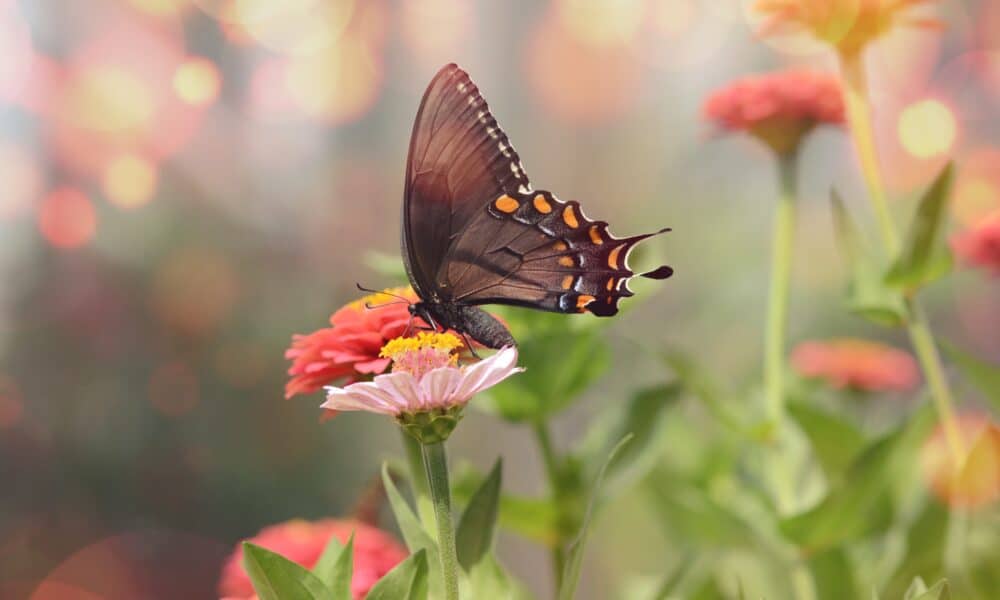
423, 353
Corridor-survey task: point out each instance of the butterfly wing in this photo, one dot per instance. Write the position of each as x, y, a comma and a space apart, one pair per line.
474, 231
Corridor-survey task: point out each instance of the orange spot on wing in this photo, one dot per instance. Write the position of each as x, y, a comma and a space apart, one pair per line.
570, 217
583, 301
613, 257
506, 204
595, 235
611, 283
542, 205
560, 246
566, 261
567, 282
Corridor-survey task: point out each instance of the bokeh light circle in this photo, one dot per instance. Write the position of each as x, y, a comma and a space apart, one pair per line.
977, 186
927, 128
129, 180
294, 27
66, 218
197, 81
22, 179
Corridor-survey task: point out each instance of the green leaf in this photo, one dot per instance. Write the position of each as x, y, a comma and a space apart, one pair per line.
547, 386
835, 441
673, 579
867, 294
275, 577
488, 579
641, 416
939, 591
574, 558
861, 503
689, 513
476, 528
833, 575
925, 543
407, 581
415, 536
985, 376
336, 566
925, 256
702, 385
917, 588
532, 518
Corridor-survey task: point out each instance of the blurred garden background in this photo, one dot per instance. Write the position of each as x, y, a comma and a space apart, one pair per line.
186, 183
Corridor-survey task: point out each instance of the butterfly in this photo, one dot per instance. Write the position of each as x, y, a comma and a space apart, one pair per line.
474, 231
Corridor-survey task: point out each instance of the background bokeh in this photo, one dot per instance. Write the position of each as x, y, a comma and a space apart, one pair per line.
185, 183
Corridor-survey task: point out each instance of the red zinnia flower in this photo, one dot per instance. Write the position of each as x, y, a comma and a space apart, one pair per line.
349, 350
980, 245
375, 552
778, 108
848, 25
857, 364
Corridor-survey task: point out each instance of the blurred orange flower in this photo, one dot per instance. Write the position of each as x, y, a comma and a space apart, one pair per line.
349, 350
976, 482
856, 364
980, 244
375, 552
778, 108
848, 25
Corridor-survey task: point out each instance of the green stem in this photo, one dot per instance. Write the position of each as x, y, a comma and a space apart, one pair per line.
556, 552
421, 492
436, 467
777, 309
859, 115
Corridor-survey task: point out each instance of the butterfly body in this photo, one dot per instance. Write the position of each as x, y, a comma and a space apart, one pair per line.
475, 232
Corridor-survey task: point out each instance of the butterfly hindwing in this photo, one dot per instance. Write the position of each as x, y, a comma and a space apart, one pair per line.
476, 233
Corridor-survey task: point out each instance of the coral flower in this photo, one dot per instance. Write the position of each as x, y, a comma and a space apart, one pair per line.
778, 108
976, 482
427, 389
349, 350
857, 364
980, 245
848, 25
375, 552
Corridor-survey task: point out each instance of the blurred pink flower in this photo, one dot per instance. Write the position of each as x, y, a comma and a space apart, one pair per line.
974, 483
980, 244
847, 25
857, 364
425, 377
778, 108
375, 552
349, 350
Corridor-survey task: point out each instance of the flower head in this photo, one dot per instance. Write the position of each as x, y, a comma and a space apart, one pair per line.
427, 388
857, 364
375, 552
847, 25
980, 245
349, 350
976, 481
778, 108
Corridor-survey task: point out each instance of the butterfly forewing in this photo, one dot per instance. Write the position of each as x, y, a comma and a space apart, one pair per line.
476, 233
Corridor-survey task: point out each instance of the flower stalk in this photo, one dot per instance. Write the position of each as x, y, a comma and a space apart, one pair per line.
436, 468
777, 310
924, 346
557, 555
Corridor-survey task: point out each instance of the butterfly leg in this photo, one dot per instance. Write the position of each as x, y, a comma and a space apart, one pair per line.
468, 344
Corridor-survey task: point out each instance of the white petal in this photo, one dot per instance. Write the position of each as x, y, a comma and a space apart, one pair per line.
439, 386
487, 373
403, 388
360, 396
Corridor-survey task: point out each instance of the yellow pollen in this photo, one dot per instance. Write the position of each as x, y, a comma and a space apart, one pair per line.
506, 204
445, 342
542, 205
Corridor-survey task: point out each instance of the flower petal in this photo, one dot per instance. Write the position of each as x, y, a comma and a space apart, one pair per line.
439, 386
487, 373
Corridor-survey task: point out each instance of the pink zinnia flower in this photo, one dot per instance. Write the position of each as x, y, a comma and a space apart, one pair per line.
349, 350
847, 25
778, 108
857, 364
375, 552
426, 383
980, 245
976, 481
